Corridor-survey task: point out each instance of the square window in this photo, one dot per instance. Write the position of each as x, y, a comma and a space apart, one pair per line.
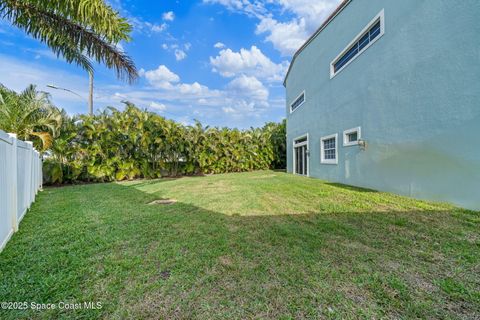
351, 136
328, 149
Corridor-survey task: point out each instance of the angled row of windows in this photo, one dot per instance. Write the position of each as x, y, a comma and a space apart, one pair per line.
357, 48
372, 32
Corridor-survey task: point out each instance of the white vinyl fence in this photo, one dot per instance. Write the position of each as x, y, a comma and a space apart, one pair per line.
20, 180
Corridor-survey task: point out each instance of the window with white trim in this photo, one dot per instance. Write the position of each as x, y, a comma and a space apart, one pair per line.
297, 102
352, 136
369, 35
328, 149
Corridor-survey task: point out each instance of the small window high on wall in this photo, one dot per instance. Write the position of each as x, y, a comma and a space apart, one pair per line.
297, 102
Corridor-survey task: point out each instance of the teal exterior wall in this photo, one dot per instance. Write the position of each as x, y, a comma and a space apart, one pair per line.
415, 93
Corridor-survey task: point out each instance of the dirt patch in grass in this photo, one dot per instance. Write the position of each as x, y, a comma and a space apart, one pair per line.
163, 202
165, 274
225, 261
419, 282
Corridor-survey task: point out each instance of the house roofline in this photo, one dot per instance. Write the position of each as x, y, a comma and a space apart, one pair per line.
314, 35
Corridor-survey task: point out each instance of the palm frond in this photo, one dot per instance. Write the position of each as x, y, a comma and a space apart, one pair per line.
31, 115
70, 38
94, 14
45, 137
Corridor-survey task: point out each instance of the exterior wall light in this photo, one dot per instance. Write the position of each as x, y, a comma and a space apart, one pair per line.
362, 144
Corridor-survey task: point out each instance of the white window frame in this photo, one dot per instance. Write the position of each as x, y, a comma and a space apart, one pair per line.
346, 143
322, 149
301, 104
380, 16
301, 144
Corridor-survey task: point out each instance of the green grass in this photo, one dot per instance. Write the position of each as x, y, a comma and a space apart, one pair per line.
253, 245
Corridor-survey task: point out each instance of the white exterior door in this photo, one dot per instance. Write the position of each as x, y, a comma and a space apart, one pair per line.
300, 155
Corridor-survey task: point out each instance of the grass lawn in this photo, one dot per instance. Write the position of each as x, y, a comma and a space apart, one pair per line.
253, 245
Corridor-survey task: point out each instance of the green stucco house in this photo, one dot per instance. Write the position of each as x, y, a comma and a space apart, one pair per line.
386, 95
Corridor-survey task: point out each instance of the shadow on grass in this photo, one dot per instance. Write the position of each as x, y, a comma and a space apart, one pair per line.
350, 188
145, 182
104, 243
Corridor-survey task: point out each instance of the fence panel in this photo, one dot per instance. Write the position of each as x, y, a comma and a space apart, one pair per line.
6, 222
20, 181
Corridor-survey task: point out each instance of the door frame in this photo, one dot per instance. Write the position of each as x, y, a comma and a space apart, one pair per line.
301, 144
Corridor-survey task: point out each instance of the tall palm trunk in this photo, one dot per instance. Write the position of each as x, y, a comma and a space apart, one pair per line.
90, 93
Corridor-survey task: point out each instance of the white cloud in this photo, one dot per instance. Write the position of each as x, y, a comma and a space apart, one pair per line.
228, 110
314, 12
43, 53
177, 50
158, 106
195, 89
180, 54
285, 35
145, 27
245, 86
219, 45
241, 94
139, 24
161, 77
288, 36
157, 27
254, 9
249, 62
168, 16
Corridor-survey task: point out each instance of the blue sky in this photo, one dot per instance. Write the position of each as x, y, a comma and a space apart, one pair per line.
219, 61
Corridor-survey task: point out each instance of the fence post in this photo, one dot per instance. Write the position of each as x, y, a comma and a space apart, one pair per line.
13, 182
32, 176
28, 175
40, 172
35, 172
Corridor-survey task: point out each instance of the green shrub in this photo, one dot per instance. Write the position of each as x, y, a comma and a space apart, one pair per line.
134, 143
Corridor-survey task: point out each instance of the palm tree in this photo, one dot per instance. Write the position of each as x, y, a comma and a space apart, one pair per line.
30, 115
78, 30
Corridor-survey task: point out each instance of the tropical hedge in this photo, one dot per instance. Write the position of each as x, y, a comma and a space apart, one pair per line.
135, 143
